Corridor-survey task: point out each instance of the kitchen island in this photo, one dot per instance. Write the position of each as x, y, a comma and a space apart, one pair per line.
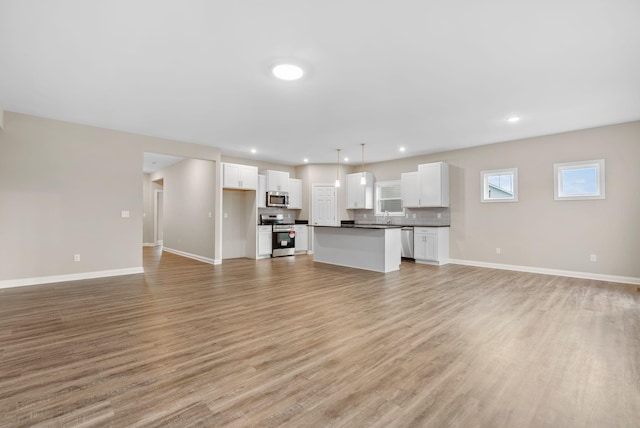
371, 247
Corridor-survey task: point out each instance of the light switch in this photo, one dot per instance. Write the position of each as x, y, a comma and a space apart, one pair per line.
209, 214
124, 214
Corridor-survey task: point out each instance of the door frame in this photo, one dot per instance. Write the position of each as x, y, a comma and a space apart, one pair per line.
156, 194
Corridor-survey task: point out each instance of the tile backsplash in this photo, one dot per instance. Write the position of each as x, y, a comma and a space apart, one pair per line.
289, 215
413, 217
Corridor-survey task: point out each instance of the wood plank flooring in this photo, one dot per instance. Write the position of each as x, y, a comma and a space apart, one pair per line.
286, 342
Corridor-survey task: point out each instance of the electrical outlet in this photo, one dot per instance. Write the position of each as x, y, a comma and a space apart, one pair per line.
226, 215
76, 257
594, 258
364, 215
124, 214
209, 214
439, 215
414, 216
498, 250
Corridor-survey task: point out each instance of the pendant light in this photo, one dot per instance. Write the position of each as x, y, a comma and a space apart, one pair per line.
338, 170
363, 179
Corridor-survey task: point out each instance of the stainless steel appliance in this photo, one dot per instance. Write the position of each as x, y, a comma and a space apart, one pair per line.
283, 237
406, 239
278, 199
284, 240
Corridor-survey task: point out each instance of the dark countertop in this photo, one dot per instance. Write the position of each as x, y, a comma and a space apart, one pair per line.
426, 225
363, 226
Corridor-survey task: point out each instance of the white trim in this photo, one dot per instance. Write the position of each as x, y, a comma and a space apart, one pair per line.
559, 168
484, 183
148, 244
545, 271
156, 194
192, 256
69, 277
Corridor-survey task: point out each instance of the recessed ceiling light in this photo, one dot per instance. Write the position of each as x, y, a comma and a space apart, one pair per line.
305, 160
346, 159
287, 72
513, 119
253, 151
402, 149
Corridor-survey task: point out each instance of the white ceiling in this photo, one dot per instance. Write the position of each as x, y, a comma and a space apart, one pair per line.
426, 75
153, 162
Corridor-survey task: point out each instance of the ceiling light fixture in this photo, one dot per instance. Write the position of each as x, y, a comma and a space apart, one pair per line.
346, 159
338, 170
305, 160
513, 119
363, 179
253, 151
402, 149
287, 72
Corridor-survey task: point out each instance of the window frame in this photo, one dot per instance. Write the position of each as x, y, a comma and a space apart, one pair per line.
378, 185
484, 185
559, 168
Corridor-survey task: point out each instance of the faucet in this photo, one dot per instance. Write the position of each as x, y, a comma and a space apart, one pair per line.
386, 217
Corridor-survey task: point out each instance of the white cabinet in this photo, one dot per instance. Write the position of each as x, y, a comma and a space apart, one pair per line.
434, 184
359, 196
262, 192
235, 176
429, 187
277, 181
265, 234
302, 238
295, 194
431, 245
410, 189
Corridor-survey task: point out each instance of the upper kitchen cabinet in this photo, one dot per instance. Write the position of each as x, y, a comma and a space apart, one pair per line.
429, 187
277, 181
295, 194
261, 201
434, 184
410, 189
235, 176
359, 196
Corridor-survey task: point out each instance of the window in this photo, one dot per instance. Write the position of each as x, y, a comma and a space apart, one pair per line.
578, 180
388, 198
500, 185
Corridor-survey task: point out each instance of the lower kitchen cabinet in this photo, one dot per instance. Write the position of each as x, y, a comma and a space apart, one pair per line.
302, 238
265, 241
431, 245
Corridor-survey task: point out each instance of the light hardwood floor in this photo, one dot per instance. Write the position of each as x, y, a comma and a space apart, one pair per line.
289, 342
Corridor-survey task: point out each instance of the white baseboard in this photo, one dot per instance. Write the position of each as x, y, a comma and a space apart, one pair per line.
69, 277
193, 256
545, 271
148, 244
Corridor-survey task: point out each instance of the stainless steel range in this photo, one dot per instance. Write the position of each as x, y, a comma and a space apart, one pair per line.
283, 237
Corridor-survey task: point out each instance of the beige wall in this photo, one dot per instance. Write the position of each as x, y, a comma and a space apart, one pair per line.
62, 188
538, 231
188, 198
323, 174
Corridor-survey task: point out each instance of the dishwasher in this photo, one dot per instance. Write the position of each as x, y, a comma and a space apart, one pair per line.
406, 238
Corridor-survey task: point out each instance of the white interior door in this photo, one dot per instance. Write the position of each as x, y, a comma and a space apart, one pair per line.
324, 208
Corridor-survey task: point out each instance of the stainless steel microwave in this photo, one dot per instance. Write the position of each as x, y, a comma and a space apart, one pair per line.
277, 199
